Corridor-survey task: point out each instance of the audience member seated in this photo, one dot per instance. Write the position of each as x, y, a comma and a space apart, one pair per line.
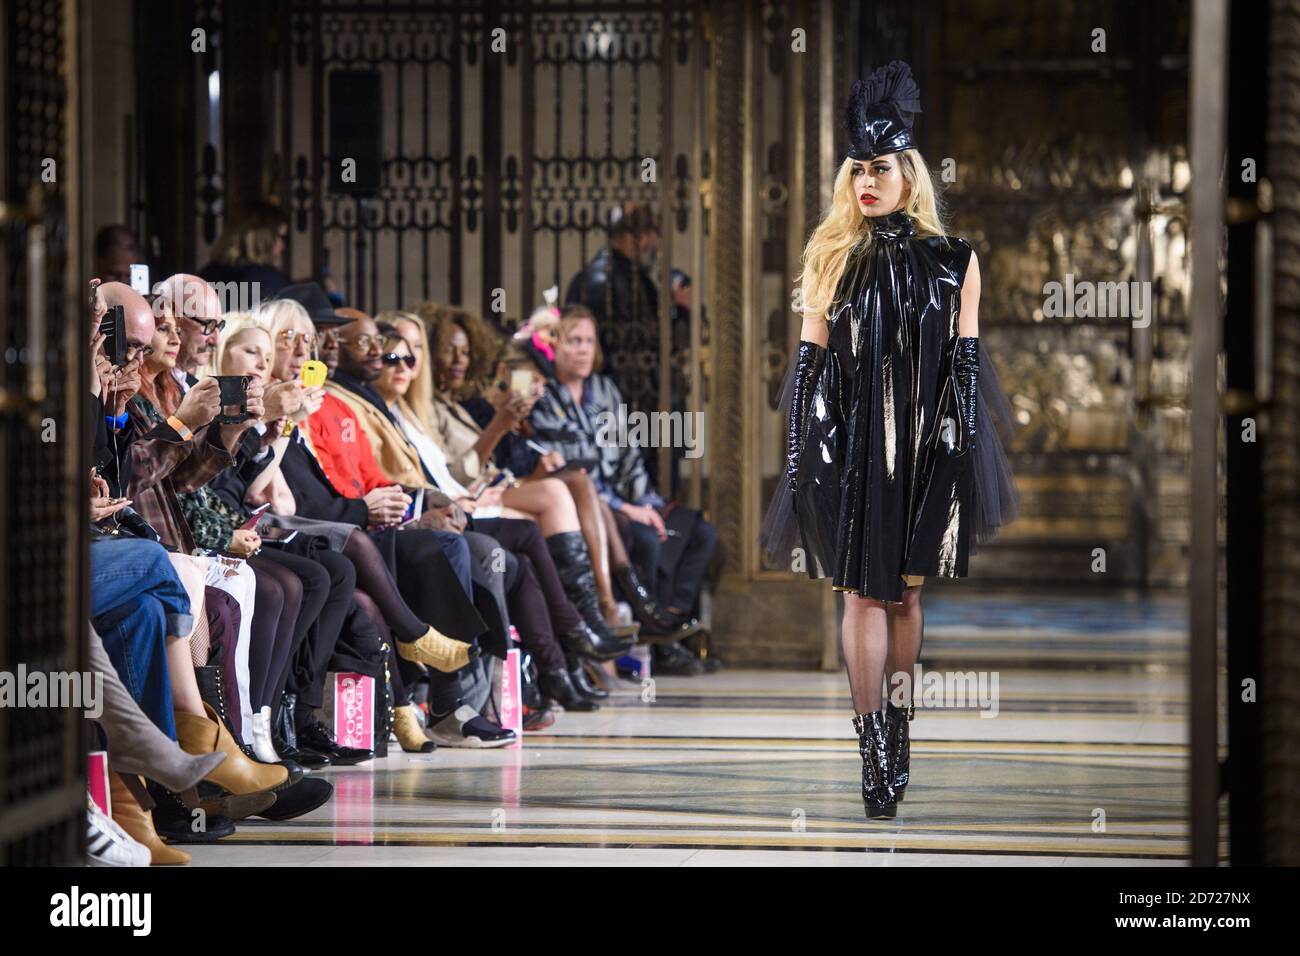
671, 545
431, 568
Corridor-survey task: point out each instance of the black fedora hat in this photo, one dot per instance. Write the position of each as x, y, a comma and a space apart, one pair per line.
312, 297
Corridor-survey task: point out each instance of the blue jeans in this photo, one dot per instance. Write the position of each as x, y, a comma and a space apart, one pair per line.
456, 548
136, 601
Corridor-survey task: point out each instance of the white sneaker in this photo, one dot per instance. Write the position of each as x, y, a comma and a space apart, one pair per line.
107, 844
465, 727
262, 746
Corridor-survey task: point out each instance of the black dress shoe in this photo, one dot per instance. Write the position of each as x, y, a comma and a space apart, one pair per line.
585, 642
673, 660
316, 738
558, 686
216, 801
674, 630
301, 759
177, 823
584, 684
303, 797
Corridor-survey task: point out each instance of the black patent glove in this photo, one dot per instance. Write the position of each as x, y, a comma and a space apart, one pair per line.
966, 366
809, 367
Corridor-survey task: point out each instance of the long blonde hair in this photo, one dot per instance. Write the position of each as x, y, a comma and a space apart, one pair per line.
418, 400
844, 227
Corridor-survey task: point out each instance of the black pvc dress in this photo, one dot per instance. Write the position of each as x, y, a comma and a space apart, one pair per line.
889, 485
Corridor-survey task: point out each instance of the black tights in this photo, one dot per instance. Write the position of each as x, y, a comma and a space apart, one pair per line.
276, 609
401, 672
374, 579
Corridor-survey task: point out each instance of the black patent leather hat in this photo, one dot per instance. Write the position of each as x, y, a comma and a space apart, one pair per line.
878, 117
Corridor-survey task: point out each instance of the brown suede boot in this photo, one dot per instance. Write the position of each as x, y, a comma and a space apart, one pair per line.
237, 774
138, 823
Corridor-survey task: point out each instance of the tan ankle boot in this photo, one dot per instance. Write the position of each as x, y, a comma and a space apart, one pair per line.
238, 774
437, 650
409, 732
138, 823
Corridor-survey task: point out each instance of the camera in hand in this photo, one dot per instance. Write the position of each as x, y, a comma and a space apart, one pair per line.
113, 327
234, 394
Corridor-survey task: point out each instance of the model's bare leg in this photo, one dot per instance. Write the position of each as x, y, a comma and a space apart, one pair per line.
905, 635
865, 642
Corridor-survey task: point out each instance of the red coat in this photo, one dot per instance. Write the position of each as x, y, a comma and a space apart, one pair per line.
343, 450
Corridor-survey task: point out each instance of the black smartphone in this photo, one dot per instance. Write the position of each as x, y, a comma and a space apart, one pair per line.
499, 477
234, 394
591, 464
113, 326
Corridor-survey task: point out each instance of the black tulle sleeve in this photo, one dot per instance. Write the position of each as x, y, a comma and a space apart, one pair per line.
996, 500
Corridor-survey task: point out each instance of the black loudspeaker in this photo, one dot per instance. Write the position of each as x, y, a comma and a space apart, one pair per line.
356, 132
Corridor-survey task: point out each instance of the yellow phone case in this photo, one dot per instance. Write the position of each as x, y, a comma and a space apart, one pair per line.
314, 373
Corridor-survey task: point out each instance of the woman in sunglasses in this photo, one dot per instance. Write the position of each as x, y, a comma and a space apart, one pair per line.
550, 625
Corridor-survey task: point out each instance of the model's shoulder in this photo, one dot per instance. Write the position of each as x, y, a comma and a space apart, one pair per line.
949, 243
953, 251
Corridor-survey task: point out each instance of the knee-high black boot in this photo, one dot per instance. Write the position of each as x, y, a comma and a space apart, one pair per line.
568, 550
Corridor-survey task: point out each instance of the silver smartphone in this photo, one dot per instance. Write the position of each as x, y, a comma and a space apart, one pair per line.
140, 278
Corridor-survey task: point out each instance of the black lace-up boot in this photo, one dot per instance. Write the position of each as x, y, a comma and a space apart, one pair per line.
878, 795
900, 745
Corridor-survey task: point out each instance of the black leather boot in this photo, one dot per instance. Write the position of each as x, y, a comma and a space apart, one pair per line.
558, 686
900, 745
569, 552
878, 797
584, 684
284, 736
645, 607
315, 737
213, 691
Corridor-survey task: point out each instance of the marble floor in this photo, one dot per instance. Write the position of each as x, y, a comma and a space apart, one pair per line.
1074, 755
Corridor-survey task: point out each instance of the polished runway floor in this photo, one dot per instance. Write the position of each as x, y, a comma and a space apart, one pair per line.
1078, 759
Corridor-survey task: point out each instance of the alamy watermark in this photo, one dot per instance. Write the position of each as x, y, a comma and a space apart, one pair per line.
1084, 299
24, 688
133, 911
935, 689
651, 430
188, 297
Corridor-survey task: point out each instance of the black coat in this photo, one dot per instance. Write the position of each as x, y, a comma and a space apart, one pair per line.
625, 301
312, 491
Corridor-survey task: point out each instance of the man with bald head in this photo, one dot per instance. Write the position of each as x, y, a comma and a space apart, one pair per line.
112, 387
197, 310
139, 322
118, 443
